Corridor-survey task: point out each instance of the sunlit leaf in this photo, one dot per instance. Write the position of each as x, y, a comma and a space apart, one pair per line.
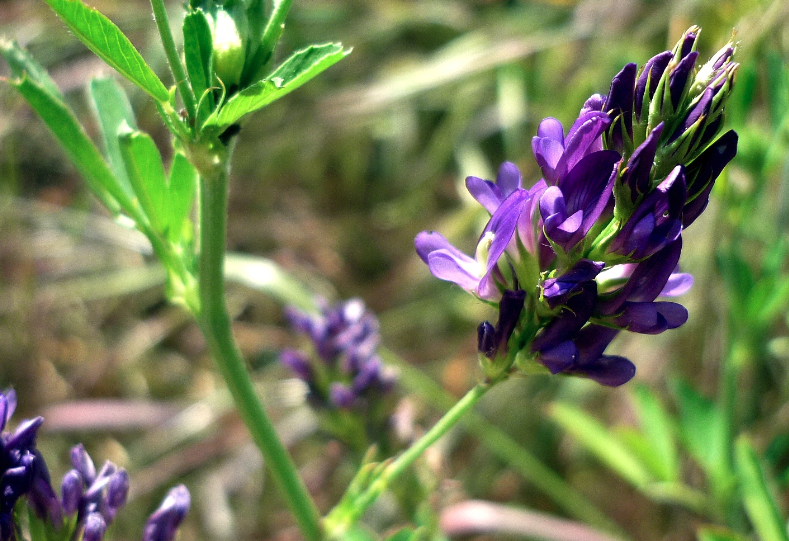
718, 533
146, 174
759, 503
105, 39
291, 74
600, 441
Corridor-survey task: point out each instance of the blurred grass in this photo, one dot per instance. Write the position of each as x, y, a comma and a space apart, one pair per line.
333, 183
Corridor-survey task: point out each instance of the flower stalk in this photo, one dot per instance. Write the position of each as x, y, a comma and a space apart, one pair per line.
173, 58
215, 324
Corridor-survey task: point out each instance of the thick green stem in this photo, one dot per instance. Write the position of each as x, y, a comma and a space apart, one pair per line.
216, 326
163, 24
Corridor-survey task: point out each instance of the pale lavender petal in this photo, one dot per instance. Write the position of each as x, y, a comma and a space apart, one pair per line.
678, 284
485, 192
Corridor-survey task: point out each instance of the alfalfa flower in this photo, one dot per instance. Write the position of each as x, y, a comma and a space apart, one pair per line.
588, 249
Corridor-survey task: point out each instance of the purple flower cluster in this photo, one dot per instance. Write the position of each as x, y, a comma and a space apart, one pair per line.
92, 499
23, 471
347, 370
89, 500
586, 251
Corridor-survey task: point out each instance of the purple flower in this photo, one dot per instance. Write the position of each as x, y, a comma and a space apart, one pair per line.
345, 337
23, 471
585, 252
571, 208
557, 154
163, 524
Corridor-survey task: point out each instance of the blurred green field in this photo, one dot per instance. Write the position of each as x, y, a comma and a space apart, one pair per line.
332, 183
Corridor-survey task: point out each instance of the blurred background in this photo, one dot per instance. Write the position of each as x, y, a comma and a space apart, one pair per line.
332, 183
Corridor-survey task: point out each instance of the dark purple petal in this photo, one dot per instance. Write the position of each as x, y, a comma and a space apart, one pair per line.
486, 339
510, 309
639, 166
678, 79
645, 283
163, 523
620, 106
570, 319
650, 74
609, 370
559, 357
703, 172
699, 111
556, 290
656, 221
25, 434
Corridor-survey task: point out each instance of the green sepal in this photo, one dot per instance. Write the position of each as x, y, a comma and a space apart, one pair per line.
198, 56
291, 74
107, 41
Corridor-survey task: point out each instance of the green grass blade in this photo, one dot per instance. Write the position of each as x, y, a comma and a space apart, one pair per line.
291, 74
600, 441
759, 503
105, 39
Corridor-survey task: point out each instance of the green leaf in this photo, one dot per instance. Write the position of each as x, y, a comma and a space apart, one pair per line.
22, 63
658, 430
181, 194
602, 443
146, 174
113, 111
198, 54
105, 39
78, 146
759, 503
291, 74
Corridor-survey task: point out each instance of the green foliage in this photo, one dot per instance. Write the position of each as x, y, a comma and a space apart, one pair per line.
756, 495
291, 74
198, 56
105, 39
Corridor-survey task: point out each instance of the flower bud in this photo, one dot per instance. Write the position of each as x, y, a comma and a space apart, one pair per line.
229, 46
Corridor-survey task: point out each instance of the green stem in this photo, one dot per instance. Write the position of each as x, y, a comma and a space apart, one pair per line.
339, 523
274, 26
216, 326
163, 24
502, 445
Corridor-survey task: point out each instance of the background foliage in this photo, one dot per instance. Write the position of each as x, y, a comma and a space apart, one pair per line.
332, 182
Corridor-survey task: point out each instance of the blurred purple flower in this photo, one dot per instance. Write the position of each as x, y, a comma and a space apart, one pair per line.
345, 337
163, 524
23, 471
